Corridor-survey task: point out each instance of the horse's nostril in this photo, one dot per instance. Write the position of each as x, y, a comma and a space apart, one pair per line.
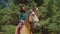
38, 25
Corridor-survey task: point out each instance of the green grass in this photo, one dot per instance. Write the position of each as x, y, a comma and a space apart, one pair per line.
8, 29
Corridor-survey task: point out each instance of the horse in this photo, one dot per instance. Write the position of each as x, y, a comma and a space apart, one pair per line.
31, 22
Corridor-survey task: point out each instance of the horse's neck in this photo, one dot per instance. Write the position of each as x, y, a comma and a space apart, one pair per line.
26, 29
28, 25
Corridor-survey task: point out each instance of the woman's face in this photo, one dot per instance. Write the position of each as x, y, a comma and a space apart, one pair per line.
23, 8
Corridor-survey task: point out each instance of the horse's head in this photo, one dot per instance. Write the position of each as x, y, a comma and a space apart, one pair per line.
33, 19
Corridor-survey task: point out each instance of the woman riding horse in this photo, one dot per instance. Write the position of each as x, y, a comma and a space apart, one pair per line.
31, 22
22, 15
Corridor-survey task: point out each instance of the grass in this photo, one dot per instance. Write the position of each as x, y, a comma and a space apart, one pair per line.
8, 29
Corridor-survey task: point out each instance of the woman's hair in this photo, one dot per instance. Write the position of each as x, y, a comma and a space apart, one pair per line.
23, 9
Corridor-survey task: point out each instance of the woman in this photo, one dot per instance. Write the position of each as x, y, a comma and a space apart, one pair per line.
23, 14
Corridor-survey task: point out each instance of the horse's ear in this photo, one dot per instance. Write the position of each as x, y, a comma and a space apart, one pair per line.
36, 8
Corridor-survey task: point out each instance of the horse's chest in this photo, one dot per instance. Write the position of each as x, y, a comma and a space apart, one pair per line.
25, 30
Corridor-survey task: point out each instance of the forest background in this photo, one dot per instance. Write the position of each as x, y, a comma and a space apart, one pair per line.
49, 11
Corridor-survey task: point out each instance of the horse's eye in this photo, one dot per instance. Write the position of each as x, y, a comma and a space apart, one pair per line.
32, 14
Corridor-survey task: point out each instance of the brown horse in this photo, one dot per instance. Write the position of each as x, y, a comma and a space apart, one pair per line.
31, 22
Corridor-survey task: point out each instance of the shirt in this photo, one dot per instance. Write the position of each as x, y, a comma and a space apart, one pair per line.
23, 16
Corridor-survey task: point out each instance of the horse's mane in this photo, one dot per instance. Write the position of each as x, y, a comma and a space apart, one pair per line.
27, 16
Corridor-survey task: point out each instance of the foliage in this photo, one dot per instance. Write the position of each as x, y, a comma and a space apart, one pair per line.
8, 29
49, 11
9, 14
